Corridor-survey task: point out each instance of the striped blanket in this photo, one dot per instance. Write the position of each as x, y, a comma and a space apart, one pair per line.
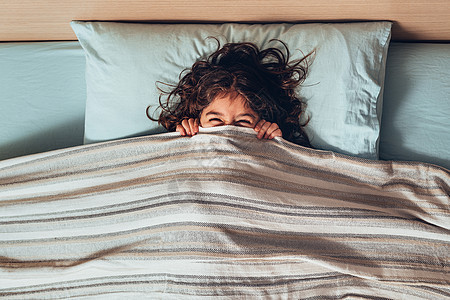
221, 215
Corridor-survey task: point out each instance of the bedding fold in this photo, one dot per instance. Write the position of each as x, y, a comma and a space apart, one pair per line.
223, 215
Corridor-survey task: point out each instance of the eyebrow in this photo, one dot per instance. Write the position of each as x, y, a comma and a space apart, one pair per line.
220, 114
214, 113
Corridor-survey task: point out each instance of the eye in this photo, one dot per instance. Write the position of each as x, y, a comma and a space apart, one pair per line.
243, 123
215, 120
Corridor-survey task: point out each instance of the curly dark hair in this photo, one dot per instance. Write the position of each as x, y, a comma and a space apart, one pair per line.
264, 78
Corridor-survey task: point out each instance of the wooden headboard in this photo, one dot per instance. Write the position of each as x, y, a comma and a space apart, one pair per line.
38, 20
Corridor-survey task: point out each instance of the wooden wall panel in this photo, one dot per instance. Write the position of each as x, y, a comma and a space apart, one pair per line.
27, 20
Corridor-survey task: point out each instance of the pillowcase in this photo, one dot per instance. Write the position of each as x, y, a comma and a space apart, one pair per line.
343, 90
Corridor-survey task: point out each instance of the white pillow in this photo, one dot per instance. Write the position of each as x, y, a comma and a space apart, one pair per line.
343, 89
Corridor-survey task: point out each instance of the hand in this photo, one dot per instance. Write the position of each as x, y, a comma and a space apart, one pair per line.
267, 130
188, 127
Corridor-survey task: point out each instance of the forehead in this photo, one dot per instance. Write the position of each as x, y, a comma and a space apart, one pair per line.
231, 100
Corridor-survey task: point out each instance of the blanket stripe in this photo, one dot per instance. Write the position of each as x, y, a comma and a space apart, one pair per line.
221, 215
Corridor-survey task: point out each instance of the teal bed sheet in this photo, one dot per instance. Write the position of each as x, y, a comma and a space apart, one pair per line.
42, 99
415, 122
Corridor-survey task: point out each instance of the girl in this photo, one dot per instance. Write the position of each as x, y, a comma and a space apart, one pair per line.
240, 85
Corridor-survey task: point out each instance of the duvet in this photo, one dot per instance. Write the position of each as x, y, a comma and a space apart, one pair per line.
221, 215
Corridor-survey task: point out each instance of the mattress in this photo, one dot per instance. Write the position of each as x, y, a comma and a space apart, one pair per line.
44, 91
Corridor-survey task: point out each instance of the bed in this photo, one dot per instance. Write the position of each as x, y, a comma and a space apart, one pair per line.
97, 201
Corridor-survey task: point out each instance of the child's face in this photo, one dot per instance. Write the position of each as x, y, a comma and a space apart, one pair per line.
228, 109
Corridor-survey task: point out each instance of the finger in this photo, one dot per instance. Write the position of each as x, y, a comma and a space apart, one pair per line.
270, 130
181, 130
263, 130
186, 127
192, 128
259, 125
275, 133
197, 124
